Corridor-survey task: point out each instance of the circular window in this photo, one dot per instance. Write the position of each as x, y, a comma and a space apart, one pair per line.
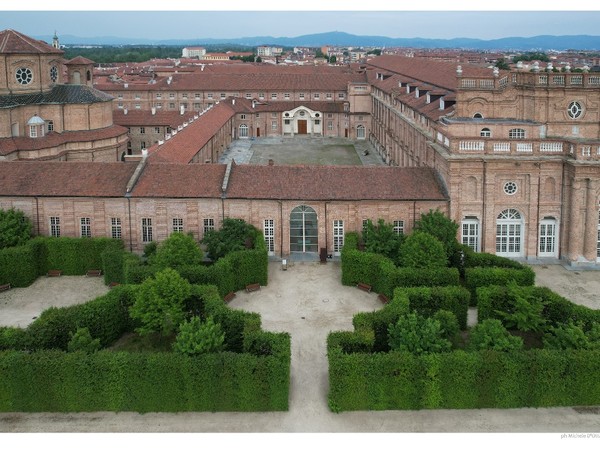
24, 75
287, 114
317, 115
574, 110
302, 113
510, 188
53, 74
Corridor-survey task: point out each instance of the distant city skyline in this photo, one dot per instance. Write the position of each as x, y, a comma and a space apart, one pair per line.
164, 25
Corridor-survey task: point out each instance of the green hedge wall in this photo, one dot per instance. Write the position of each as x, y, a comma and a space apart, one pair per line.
426, 301
459, 380
375, 324
557, 310
18, 265
383, 276
488, 276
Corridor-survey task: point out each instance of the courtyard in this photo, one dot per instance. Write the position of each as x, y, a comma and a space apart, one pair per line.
308, 301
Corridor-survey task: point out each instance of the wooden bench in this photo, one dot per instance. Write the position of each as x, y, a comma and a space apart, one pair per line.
4, 287
364, 287
229, 297
383, 298
54, 273
113, 284
252, 287
93, 273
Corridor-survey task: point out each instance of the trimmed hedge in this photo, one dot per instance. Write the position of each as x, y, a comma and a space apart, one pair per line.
488, 276
426, 301
557, 310
459, 379
19, 265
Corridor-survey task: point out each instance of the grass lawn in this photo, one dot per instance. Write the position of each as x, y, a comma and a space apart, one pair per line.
302, 153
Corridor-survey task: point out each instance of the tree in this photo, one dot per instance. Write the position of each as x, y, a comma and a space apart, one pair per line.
332, 59
196, 337
422, 251
15, 228
502, 64
491, 335
382, 239
177, 250
159, 303
418, 335
82, 340
437, 224
235, 234
448, 323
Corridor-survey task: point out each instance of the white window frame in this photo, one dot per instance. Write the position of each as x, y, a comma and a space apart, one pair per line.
243, 131
55, 226
338, 237
269, 233
510, 228
548, 238
115, 228
399, 227
147, 229
85, 227
470, 229
208, 225
177, 223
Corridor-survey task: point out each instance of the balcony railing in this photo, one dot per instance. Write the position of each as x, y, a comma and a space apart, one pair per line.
516, 147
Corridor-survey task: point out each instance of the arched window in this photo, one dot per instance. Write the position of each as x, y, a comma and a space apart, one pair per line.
477, 116
509, 233
304, 230
243, 131
360, 132
485, 132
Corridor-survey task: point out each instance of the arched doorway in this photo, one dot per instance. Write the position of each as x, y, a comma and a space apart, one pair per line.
304, 230
509, 233
360, 132
243, 131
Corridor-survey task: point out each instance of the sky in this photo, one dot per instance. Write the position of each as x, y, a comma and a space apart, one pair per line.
523, 19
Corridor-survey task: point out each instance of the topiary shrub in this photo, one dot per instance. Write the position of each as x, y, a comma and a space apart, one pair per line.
177, 250
422, 251
418, 335
445, 230
448, 324
82, 341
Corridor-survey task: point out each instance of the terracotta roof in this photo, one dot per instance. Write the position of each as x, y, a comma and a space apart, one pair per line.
180, 181
64, 179
12, 41
183, 146
79, 60
140, 117
334, 183
245, 105
9, 145
437, 73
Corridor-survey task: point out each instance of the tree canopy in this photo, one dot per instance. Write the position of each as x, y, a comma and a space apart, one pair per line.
422, 251
15, 228
234, 235
382, 239
443, 228
177, 250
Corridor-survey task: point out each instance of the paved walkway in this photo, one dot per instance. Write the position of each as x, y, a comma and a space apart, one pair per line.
308, 301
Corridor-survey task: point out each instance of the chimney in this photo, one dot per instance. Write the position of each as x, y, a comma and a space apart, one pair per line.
126, 85
169, 80
125, 111
233, 101
181, 110
153, 110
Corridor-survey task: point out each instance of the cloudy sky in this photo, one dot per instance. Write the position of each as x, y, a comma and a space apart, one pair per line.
525, 18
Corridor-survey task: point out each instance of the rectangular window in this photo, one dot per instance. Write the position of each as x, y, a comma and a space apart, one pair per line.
55, 226
338, 236
329, 115
399, 227
158, 95
185, 96
548, 233
142, 130
257, 115
33, 131
172, 95
365, 222
242, 116
273, 125
316, 96
269, 231
248, 95
286, 121
171, 105
287, 95
273, 96
302, 96
209, 95
177, 225
50, 125
317, 122
261, 95
115, 228
137, 96
330, 125
341, 95
138, 106
274, 115
146, 229
143, 145
159, 106
223, 95
157, 130
209, 225
197, 96
329, 96
86, 227
197, 106
120, 96
470, 233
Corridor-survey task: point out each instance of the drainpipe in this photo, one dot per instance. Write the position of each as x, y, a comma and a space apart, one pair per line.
37, 215
280, 228
128, 197
326, 229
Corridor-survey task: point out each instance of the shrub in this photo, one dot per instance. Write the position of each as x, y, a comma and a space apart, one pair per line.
444, 229
572, 336
112, 265
196, 337
177, 250
81, 341
448, 323
427, 300
525, 310
234, 235
488, 276
159, 302
422, 251
15, 228
382, 239
491, 335
418, 335
19, 265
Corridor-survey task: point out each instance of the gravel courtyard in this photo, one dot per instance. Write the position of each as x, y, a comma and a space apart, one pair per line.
307, 301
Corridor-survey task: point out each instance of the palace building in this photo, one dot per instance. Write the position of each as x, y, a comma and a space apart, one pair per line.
511, 156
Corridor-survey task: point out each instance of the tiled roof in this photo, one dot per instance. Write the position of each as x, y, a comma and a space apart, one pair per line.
65, 179
9, 145
139, 117
79, 61
182, 147
245, 105
59, 94
438, 73
334, 183
180, 181
12, 41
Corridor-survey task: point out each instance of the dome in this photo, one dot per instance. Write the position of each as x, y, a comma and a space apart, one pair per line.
36, 120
